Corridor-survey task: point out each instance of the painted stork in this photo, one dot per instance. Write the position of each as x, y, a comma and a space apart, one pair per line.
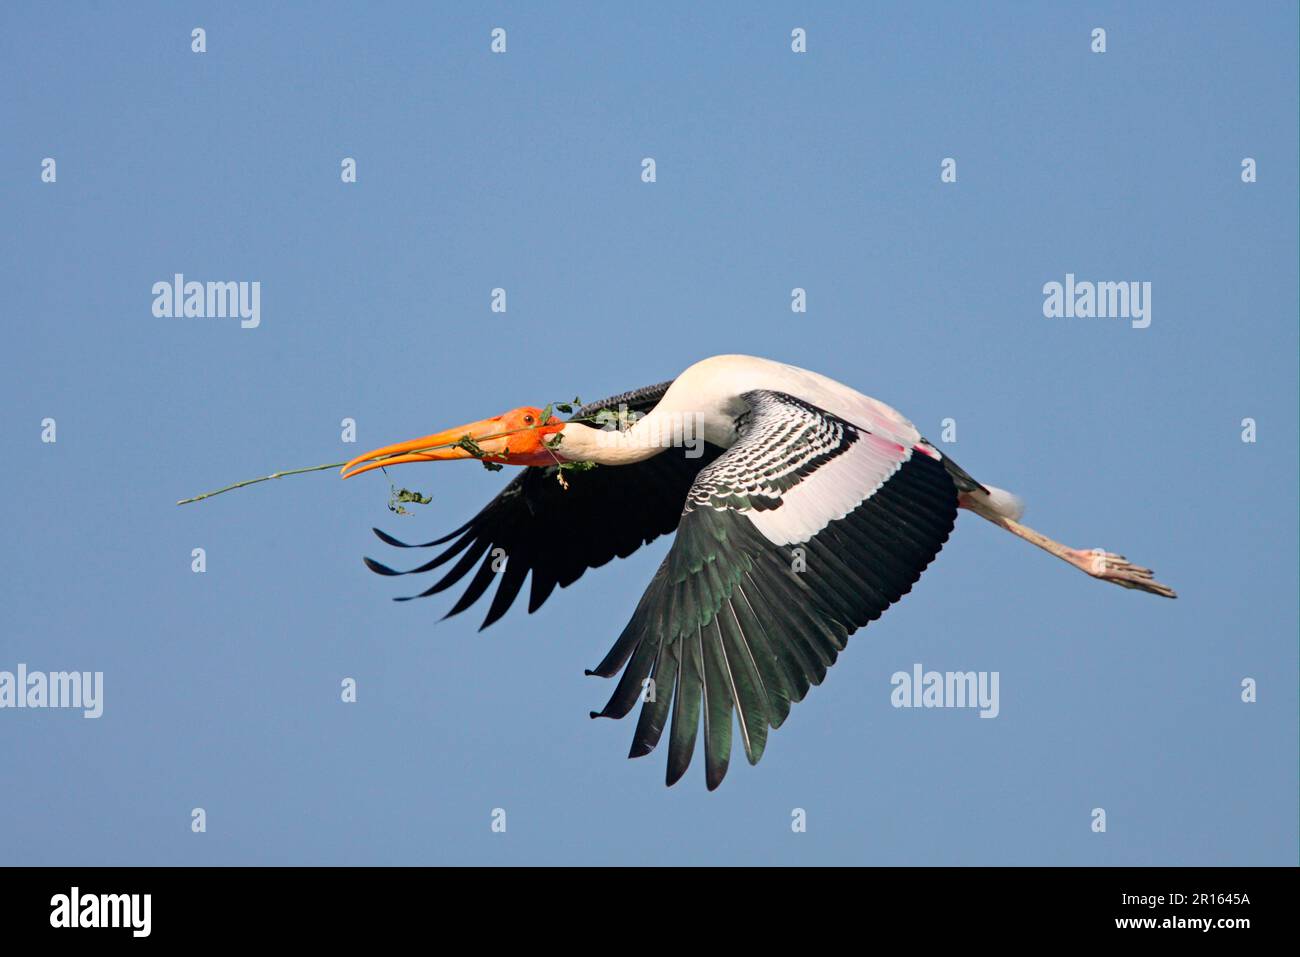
803, 509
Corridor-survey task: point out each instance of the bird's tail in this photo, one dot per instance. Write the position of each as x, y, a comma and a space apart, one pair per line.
996, 500
1004, 503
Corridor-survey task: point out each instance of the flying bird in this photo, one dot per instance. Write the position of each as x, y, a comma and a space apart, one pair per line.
803, 509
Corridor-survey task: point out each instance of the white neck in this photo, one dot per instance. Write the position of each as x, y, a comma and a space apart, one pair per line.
648, 436
582, 443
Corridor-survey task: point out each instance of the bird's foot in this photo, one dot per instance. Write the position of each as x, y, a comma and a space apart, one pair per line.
1109, 567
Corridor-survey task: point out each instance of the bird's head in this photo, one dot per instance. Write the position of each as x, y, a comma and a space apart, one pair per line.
517, 437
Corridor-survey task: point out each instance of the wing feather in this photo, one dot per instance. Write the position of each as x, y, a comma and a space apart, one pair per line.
807, 529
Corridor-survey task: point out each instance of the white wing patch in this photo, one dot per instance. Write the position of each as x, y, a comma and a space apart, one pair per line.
796, 468
832, 491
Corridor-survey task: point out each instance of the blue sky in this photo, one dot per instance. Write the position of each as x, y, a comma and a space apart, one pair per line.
775, 170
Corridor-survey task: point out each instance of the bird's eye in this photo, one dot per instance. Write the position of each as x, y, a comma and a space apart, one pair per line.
528, 420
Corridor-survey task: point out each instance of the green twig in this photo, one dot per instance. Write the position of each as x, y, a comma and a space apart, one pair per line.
468, 444
264, 478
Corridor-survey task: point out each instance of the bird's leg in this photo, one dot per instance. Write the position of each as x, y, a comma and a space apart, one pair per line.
1097, 562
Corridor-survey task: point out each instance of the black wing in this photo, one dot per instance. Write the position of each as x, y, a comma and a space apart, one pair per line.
557, 534
805, 530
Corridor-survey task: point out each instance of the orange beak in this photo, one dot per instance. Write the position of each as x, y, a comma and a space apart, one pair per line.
439, 447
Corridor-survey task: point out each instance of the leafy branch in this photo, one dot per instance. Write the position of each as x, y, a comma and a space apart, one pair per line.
396, 499
476, 450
